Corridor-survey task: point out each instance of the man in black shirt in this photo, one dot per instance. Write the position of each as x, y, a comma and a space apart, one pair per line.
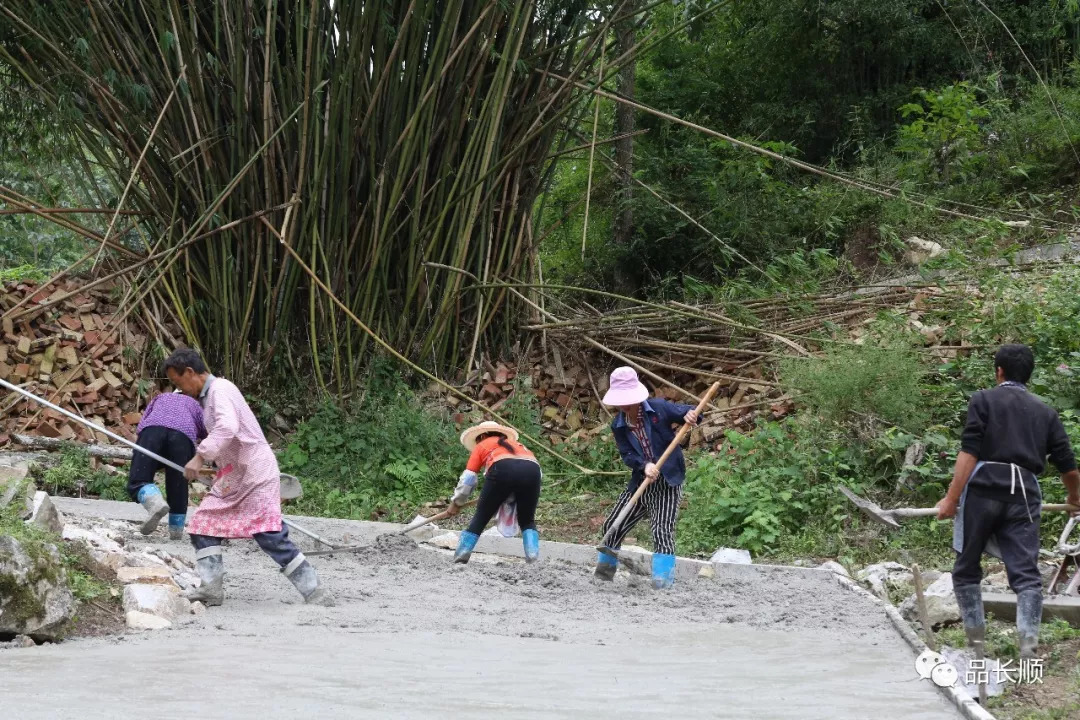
1008, 435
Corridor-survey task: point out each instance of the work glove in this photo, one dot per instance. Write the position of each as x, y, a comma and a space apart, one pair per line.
466, 485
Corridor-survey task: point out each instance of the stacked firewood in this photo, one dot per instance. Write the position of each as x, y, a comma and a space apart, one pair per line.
71, 346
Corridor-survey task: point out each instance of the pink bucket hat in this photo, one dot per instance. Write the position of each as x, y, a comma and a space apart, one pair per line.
625, 388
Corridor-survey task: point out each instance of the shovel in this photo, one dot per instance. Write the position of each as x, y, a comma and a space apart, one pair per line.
418, 523
889, 518
290, 485
421, 522
679, 436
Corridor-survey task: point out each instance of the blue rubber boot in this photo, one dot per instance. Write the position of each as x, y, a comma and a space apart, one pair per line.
605, 566
176, 525
150, 498
663, 571
531, 540
465, 546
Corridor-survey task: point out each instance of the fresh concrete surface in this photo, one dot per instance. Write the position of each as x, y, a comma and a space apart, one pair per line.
361, 532
415, 636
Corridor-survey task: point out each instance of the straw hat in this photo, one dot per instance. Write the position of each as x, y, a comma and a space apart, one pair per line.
625, 389
468, 438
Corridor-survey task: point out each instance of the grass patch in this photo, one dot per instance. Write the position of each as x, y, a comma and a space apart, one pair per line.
853, 382
73, 476
23, 273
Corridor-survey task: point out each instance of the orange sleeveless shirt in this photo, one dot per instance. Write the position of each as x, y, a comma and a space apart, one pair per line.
488, 451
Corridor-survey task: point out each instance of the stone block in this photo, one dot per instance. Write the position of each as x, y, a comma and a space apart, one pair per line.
155, 600
941, 607
733, 556
35, 600
155, 575
94, 540
44, 514
145, 621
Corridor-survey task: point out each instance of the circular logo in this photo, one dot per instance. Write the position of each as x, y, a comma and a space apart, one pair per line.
944, 675
926, 662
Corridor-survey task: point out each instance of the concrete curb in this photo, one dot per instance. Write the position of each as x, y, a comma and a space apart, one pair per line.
685, 568
967, 707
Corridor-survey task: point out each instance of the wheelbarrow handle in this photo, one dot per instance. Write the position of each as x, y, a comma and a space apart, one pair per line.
1063, 545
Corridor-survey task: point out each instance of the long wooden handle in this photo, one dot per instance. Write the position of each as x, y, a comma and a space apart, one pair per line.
679, 436
930, 512
424, 521
924, 615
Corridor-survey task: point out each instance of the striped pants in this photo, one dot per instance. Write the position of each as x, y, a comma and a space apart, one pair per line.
660, 502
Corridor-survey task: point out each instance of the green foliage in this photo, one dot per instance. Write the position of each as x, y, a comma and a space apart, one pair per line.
944, 133
764, 488
73, 476
36, 161
898, 98
83, 583
931, 477
23, 273
850, 383
1001, 641
380, 454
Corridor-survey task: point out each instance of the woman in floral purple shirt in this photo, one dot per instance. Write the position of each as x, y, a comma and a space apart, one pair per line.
171, 426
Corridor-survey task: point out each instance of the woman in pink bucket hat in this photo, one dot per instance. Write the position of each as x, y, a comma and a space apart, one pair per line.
642, 431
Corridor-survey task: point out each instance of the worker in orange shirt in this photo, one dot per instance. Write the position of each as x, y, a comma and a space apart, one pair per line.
511, 482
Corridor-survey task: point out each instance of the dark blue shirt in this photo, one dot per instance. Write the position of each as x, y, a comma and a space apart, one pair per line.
659, 416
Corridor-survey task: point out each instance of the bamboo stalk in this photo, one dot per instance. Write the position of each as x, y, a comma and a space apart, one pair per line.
422, 146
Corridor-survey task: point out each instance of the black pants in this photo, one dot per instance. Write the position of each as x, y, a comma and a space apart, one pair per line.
171, 445
506, 477
1017, 536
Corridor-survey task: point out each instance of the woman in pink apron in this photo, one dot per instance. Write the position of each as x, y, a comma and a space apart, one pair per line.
245, 500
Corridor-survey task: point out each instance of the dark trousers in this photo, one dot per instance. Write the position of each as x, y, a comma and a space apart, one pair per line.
659, 502
509, 476
172, 445
277, 545
1017, 536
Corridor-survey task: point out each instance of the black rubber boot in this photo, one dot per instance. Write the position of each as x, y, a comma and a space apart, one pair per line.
969, 600
1028, 616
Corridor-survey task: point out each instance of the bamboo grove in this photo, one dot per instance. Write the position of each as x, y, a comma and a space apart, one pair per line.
376, 139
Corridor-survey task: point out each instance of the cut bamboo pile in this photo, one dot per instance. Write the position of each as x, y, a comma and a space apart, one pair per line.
68, 345
679, 350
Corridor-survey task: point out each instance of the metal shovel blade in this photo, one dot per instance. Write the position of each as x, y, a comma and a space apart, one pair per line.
870, 509
290, 487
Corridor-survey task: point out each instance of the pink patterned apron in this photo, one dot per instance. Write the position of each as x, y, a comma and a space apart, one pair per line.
245, 498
